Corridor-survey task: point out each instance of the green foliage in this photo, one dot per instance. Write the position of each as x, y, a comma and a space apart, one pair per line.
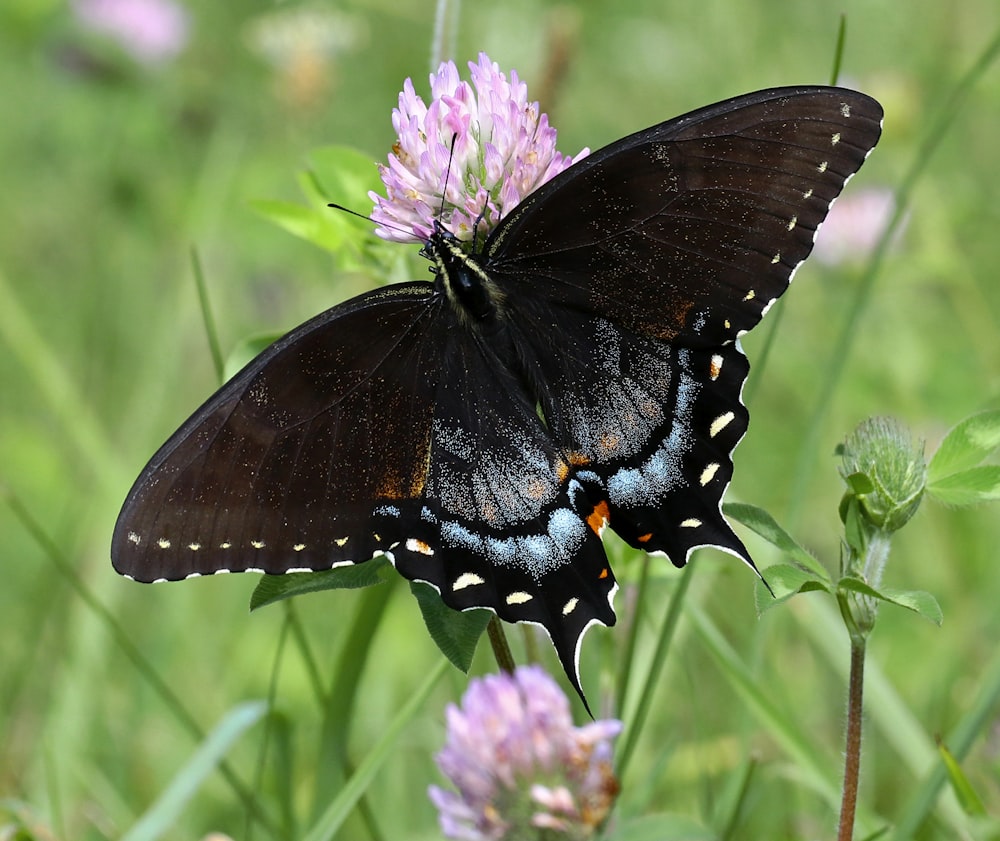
921, 603
870, 508
965, 446
767, 527
337, 172
159, 820
114, 172
274, 588
972, 804
456, 633
956, 475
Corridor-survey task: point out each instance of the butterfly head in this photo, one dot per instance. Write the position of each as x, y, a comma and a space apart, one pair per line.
460, 275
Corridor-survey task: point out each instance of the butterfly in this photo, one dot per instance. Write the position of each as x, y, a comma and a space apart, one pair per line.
580, 369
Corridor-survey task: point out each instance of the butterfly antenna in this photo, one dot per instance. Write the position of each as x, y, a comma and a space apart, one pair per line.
475, 227
350, 212
447, 176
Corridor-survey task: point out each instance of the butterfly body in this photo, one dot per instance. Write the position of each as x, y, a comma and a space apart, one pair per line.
581, 370
468, 287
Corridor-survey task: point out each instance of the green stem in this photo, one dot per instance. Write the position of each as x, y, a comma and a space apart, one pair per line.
211, 333
498, 642
632, 638
645, 702
530, 641
852, 749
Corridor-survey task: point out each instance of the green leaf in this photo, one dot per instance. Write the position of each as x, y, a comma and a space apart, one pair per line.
760, 521
334, 231
968, 487
455, 632
916, 600
786, 581
854, 532
972, 804
164, 815
245, 350
965, 445
345, 174
301, 221
274, 588
860, 483
338, 174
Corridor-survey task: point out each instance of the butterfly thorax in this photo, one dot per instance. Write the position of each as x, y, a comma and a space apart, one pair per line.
462, 277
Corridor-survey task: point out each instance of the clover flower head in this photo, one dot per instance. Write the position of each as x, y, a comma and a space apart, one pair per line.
855, 225
484, 140
151, 31
521, 768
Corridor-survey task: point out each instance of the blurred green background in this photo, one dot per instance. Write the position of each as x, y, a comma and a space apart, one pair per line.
120, 156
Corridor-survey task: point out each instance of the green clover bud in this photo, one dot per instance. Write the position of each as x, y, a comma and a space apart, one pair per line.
885, 471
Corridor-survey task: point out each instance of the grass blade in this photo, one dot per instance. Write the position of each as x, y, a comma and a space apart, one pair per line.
161, 818
336, 813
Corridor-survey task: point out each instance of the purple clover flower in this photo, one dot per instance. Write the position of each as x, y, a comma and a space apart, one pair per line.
855, 225
503, 150
521, 768
151, 31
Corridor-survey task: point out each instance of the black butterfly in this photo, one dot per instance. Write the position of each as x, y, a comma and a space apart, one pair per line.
581, 370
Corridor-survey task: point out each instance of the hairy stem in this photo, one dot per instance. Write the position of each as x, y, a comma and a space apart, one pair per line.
852, 749
498, 642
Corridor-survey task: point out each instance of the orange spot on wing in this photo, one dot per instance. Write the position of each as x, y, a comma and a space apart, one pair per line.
536, 489
572, 460
610, 442
604, 573
645, 538
599, 517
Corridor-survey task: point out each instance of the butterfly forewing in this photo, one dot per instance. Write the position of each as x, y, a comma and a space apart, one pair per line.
284, 467
688, 230
595, 381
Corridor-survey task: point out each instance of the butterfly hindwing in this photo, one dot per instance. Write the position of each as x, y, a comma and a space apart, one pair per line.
636, 271
649, 426
504, 524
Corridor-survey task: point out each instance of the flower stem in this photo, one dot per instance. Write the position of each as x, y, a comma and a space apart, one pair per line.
852, 750
498, 642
